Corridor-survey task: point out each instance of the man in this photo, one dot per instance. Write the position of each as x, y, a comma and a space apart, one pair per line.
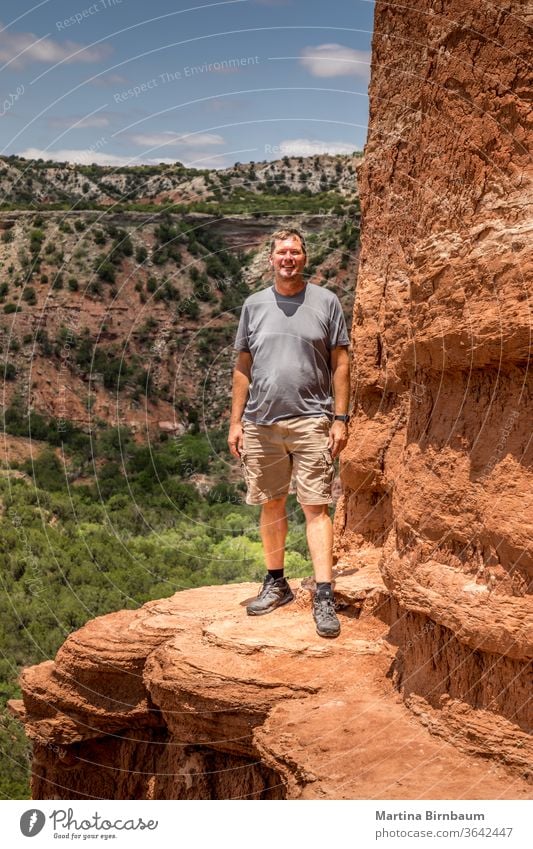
293, 357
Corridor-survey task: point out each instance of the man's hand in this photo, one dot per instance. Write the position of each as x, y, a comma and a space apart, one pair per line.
236, 439
338, 437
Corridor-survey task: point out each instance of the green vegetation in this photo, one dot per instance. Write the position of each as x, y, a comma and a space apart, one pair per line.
243, 201
29, 295
138, 530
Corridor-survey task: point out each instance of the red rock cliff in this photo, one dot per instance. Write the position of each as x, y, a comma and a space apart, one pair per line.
437, 473
190, 698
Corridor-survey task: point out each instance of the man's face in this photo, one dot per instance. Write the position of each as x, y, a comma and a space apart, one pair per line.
288, 258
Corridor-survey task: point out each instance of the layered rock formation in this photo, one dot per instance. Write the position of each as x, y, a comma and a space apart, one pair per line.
189, 698
437, 473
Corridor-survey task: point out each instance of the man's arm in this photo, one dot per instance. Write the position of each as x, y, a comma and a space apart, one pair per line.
241, 385
340, 376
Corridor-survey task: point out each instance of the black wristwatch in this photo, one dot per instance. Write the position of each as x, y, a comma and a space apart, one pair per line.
344, 419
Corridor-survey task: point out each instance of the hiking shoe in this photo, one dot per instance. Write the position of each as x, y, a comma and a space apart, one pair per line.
273, 593
327, 624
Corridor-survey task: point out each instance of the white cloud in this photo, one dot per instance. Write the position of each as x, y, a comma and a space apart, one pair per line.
76, 122
312, 147
88, 156
335, 60
177, 139
22, 48
199, 159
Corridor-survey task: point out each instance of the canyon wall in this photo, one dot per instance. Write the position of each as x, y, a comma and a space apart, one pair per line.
437, 473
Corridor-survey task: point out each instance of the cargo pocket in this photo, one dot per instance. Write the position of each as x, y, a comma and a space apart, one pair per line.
244, 469
328, 467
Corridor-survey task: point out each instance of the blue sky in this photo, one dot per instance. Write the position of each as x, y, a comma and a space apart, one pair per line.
208, 84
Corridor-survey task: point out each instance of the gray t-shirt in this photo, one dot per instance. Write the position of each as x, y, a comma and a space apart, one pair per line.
290, 338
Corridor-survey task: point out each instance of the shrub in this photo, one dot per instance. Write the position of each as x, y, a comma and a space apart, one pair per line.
189, 307
41, 337
147, 328
46, 470
10, 371
141, 254
105, 270
29, 295
126, 246
224, 493
36, 240
193, 453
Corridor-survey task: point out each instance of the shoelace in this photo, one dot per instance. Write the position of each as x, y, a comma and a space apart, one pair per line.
267, 583
327, 605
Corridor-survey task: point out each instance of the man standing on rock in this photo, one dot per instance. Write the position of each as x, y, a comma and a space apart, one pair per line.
291, 389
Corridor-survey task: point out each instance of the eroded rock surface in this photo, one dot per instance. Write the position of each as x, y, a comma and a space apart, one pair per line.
438, 471
189, 698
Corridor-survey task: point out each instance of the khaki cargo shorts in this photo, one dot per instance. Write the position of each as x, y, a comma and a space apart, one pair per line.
288, 456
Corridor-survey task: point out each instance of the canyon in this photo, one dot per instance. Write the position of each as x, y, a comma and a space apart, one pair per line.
427, 692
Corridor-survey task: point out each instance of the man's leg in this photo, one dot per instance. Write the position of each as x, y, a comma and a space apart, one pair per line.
314, 476
320, 540
273, 527
267, 465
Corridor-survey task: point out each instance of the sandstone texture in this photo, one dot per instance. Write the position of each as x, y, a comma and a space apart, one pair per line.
189, 698
438, 470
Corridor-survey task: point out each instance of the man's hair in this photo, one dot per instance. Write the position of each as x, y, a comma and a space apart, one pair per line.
286, 234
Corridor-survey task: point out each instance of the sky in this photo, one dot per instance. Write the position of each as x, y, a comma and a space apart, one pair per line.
124, 82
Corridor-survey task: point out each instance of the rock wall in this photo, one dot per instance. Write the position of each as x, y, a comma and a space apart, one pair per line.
438, 470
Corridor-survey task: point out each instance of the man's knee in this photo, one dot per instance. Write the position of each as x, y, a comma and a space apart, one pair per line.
276, 506
314, 511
